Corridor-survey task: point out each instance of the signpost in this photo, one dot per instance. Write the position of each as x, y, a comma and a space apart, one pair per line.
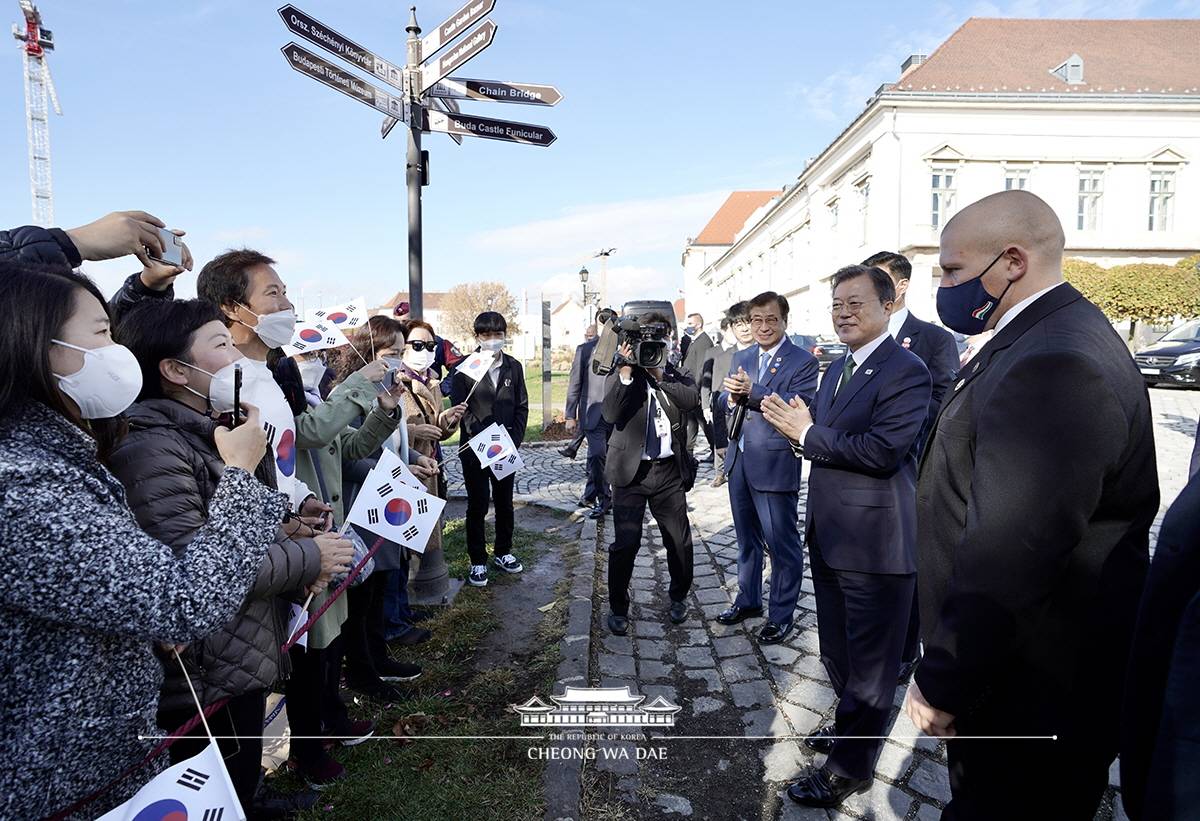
427, 100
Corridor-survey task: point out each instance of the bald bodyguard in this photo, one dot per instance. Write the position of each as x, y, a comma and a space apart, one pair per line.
1035, 498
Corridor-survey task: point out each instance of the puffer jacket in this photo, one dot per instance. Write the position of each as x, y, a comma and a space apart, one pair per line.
34, 245
86, 594
170, 467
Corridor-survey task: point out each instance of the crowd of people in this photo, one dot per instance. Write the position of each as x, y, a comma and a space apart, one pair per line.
978, 524
194, 482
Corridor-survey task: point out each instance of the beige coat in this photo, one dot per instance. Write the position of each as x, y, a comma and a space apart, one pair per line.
423, 407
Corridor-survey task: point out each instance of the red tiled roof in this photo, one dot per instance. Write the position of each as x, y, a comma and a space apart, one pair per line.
1119, 56
732, 216
432, 300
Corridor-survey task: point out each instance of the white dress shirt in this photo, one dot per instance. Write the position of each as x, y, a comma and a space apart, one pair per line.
664, 441
859, 358
896, 322
1012, 312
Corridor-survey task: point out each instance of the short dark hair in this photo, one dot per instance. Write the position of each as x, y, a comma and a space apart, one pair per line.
490, 322
223, 281
158, 329
891, 262
885, 289
766, 298
738, 312
39, 299
689, 316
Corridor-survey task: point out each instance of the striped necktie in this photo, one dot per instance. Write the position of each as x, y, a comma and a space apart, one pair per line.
847, 372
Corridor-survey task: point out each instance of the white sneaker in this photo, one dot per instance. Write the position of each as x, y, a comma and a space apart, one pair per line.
478, 575
508, 563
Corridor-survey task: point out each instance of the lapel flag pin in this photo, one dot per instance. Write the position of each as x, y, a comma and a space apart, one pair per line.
870, 371
961, 382
906, 343
975, 368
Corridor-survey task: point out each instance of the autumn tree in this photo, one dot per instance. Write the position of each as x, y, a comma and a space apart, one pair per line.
1140, 291
465, 302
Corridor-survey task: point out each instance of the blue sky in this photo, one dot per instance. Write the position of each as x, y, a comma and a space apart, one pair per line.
188, 110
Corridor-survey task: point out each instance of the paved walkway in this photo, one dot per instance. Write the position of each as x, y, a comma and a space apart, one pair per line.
723, 678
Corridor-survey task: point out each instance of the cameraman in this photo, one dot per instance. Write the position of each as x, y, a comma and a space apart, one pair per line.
648, 463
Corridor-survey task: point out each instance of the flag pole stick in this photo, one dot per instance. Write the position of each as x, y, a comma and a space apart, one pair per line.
195, 698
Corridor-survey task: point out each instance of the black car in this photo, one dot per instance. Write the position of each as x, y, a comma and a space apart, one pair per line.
1174, 359
824, 350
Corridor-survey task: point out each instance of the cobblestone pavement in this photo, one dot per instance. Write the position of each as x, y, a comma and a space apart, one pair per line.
781, 692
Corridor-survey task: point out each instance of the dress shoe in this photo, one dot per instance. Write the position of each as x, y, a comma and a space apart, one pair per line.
772, 633
586, 501
823, 788
411, 636
619, 625
737, 615
822, 740
678, 612
599, 511
906, 671
718, 480
567, 452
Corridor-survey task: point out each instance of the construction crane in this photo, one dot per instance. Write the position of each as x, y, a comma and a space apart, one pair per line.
39, 95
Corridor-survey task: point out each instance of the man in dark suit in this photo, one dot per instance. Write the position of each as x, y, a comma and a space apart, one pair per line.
712, 374
647, 464
764, 477
1035, 498
861, 523
570, 413
585, 398
937, 349
694, 347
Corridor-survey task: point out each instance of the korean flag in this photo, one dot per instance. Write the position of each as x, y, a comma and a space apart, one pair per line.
344, 317
197, 788
477, 364
395, 511
315, 336
492, 444
507, 466
394, 466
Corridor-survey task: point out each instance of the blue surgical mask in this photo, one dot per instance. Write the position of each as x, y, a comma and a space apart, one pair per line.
966, 308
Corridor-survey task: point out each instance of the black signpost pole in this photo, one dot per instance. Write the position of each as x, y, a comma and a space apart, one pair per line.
414, 175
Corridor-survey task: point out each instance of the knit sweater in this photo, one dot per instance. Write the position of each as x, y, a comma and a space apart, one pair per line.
87, 595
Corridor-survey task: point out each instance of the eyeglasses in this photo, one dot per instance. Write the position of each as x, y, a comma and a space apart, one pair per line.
422, 345
741, 323
759, 321
853, 307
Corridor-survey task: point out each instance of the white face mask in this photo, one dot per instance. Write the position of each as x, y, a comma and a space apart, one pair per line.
419, 361
311, 374
107, 384
275, 329
220, 385
492, 345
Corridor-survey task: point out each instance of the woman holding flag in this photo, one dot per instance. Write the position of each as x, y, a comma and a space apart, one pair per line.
494, 395
88, 591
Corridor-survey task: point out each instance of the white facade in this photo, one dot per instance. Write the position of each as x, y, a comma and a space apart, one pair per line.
568, 321
1122, 167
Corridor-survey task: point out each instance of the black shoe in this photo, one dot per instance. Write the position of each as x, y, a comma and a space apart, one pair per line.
619, 625
737, 615
906, 671
567, 452
772, 633
678, 612
822, 788
413, 635
822, 740
586, 501
270, 804
397, 670
377, 689
599, 511
415, 615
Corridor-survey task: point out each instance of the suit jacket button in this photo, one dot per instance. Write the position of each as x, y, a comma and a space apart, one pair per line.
333, 450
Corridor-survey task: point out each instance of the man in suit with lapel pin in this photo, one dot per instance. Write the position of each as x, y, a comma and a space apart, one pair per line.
585, 397
764, 477
1035, 500
861, 523
937, 349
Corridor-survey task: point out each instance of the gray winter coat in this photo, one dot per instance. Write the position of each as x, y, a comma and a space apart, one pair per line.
170, 467
87, 593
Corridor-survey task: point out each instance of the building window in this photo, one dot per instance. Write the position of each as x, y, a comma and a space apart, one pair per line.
833, 214
1162, 194
863, 189
1016, 179
943, 196
1091, 189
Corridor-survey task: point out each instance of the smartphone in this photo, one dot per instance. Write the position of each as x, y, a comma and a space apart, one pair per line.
389, 381
172, 249
237, 395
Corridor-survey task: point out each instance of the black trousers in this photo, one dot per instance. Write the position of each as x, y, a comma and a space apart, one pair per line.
862, 620
483, 489
719, 427
241, 716
314, 703
363, 633
597, 460
658, 484
912, 639
696, 422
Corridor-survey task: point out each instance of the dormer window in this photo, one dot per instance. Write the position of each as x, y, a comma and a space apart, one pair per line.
1071, 71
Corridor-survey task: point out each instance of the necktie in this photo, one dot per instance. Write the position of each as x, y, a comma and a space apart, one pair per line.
763, 361
653, 443
847, 372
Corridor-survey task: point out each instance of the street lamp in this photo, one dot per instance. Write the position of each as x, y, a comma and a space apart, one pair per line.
588, 296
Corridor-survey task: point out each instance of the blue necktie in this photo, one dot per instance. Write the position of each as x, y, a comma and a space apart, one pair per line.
762, 366
653, 442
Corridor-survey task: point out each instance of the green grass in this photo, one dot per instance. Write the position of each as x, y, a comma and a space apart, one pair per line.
533, 385
448, 779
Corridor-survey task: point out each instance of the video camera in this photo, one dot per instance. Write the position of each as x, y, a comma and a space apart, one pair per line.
646, 326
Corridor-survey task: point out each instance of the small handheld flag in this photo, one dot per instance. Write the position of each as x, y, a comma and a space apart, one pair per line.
397, 512
491, 445
508, 465
315, 336
345, 317
198, 787
477, 364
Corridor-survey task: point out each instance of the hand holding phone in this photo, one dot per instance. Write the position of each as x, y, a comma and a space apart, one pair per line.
237, 395
172, 244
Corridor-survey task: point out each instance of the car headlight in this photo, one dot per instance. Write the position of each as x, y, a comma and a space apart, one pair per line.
1188, 359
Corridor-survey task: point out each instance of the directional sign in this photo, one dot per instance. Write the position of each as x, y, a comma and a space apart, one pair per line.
476, 41
486, 127
320, 34
450, 107
325, 72
455, 24
498, 91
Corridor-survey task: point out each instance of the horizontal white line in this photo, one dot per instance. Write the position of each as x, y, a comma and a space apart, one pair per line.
593, 732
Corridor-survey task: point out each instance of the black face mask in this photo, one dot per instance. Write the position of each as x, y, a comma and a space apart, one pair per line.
967, 307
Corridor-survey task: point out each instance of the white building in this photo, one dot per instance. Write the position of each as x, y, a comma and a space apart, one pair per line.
568, 320
1101, 118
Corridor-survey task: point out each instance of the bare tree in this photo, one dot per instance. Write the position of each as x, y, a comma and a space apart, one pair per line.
464, 302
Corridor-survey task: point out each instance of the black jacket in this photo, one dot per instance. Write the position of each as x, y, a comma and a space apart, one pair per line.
626, 408
1035, 498
1160, 723
33, 245
693, 356
936, 348
505, 402
170, 468
133, 291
